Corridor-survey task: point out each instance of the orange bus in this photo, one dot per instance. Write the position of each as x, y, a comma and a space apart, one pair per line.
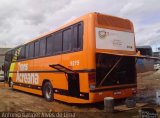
82, 61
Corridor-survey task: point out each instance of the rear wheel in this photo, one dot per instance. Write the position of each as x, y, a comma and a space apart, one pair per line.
48, 91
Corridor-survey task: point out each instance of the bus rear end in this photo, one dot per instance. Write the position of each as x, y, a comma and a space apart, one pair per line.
115, 74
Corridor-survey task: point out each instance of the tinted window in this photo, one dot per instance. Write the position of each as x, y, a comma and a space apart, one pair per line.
77, 37
36, 51
57, 43
72, 41
80, 37
50, 45
22, 53
42, 47
31, 50
12, 54
27, 51
67, 38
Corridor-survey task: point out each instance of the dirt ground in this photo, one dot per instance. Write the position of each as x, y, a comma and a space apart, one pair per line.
17, 101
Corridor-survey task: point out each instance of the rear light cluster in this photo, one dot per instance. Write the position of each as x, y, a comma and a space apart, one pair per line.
92, 80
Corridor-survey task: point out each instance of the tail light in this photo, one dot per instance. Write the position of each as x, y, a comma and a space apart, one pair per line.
92, 80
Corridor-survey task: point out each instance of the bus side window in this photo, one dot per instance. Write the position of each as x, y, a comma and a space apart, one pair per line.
31, 50
67, 40
80, 37
36, 51
22, 53
49, 45
42, 48
75, 38
27, 51
12, 54
57, 43
77, 42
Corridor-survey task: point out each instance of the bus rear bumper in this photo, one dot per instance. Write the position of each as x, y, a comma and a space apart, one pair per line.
98, 95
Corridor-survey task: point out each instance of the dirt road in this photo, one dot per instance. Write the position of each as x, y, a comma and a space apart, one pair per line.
13, 100
17, 101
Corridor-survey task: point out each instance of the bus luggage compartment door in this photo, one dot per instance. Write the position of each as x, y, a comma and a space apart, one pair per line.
114, 70
73, 85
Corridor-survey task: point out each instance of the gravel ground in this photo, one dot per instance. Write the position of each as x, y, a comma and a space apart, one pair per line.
17, 101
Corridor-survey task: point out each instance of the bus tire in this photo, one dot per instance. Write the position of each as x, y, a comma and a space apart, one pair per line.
48, 91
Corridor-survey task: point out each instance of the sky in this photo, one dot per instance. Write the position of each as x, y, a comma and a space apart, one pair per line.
22, 20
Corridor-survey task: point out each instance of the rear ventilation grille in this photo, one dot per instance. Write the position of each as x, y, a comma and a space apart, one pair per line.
113, 21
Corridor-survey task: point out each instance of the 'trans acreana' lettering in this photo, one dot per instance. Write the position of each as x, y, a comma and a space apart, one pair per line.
29, 78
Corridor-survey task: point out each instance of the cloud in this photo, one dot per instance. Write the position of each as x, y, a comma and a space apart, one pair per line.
21, 20
149, 35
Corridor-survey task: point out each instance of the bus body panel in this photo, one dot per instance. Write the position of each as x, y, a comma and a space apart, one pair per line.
82, 62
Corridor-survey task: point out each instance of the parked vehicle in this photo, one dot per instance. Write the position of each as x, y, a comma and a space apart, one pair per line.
81, 62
